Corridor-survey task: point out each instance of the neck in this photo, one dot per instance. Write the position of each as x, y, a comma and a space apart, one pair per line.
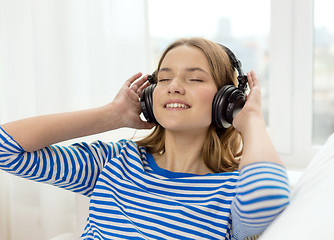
183, 153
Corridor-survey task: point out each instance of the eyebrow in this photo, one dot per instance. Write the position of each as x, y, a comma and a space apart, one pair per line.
191, 69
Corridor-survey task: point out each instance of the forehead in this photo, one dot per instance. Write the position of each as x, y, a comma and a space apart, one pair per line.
184, 57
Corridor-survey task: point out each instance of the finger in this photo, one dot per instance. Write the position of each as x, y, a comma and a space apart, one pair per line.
139, 90
256, 81
143, 84
142, 87
142, 81
132, 79
250, 80
254, 85
139, 85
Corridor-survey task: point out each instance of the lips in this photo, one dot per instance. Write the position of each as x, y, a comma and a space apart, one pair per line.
176, 104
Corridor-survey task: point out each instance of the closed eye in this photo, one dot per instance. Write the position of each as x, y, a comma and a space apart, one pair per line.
196, 80
163, 79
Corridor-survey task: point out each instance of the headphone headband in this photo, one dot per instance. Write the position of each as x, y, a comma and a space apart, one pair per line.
242, 78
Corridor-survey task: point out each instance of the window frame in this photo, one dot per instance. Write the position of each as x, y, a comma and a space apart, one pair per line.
291, 76
290, 80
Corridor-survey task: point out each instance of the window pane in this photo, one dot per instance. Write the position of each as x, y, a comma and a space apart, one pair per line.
323, 85
231, 23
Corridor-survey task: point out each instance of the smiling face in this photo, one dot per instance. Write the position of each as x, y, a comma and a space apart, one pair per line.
182, 99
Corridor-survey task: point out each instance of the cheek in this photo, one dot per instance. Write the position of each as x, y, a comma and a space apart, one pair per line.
206, 97
207, 101
155, 96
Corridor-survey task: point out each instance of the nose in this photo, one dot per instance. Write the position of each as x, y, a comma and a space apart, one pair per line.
176, 87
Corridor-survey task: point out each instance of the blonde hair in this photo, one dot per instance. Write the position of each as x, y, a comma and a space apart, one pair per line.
222, 147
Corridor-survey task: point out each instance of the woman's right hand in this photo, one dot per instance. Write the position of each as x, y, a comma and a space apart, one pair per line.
41, 131
127, 104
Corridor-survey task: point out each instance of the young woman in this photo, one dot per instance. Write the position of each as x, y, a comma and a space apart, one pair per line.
189, 179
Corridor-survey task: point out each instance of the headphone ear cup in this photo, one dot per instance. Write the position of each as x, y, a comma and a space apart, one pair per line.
219, 106
236, 102
228, 101
146, 103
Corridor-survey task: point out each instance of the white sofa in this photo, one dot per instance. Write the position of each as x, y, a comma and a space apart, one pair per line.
311, 210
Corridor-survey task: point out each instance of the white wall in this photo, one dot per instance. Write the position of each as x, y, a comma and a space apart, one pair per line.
56, 56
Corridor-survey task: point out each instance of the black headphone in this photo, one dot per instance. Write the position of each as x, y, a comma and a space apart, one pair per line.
228, 101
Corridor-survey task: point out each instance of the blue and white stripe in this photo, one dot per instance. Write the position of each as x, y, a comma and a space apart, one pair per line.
262, 192
132, 198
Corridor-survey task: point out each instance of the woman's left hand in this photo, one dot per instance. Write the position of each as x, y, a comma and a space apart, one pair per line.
252, 110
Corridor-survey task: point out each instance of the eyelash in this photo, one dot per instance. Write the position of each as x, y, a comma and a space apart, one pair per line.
163, 80
192, 80
196, 80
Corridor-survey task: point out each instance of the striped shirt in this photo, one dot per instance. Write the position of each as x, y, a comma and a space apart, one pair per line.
131, 197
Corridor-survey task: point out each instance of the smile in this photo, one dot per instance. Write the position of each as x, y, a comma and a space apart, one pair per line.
176, 105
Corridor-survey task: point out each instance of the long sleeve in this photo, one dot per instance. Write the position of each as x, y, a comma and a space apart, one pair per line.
262, 193
75, 168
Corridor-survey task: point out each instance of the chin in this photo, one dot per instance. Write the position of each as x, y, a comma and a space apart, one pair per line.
184, 123
174, 127
184, 127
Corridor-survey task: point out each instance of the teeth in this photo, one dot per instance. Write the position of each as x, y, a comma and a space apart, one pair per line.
176, 105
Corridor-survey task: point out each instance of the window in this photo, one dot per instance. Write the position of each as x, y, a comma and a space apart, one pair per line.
323, 76
231, 23
290, 44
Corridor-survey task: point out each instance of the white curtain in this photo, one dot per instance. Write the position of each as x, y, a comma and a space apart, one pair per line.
56, 56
